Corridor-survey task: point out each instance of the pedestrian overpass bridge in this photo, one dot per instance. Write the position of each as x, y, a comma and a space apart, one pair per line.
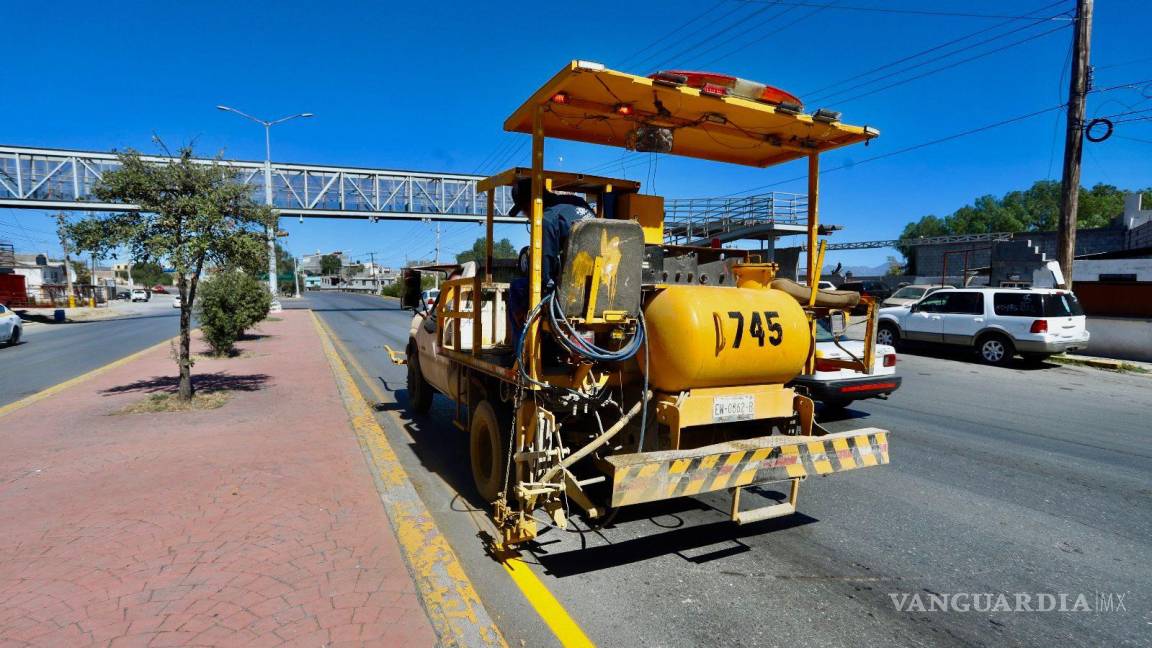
62, 179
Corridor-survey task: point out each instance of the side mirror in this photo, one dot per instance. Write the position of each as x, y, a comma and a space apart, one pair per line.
410, 296
914, 308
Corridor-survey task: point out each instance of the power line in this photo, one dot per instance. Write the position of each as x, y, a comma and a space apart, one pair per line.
766, 35
912, 12
908, 149
670, 34
943, 67
689, 37
822, 91
749, 25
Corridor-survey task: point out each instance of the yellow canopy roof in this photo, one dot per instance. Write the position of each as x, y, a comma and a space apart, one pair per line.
727, 129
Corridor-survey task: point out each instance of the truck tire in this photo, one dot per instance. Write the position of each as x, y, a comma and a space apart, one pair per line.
488, 448
887, 334
995, 349
419, 391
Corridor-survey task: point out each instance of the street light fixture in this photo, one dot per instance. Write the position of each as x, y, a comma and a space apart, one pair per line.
272, 227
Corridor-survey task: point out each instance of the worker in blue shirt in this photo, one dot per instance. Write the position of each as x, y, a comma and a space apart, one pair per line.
560, 212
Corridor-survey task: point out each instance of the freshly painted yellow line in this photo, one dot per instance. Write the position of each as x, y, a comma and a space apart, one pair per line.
59, 387
553, 613
452, 604
561, 623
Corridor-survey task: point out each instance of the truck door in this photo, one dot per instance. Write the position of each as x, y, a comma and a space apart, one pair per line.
963, 316
433, 363
924, 322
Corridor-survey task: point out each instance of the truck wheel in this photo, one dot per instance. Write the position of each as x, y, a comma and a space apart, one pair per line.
887, 334
487, 448
996, 350
419, 391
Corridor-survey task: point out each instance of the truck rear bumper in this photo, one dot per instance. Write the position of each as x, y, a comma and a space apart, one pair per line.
665, 474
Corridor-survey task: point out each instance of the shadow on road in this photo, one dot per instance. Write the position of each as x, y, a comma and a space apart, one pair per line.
350, 310
208, 383
966, 355
683, 541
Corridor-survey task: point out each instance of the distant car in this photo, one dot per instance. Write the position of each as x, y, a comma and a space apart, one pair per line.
141, 295
877, 290
124, 294
276, 306
159, 289
911, 294
997, 323
176, 302
428, 298
11, 326
834, 386
820, 285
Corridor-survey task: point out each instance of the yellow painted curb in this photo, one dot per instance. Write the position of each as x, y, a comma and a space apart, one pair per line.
71, 382
567, 631
450, 600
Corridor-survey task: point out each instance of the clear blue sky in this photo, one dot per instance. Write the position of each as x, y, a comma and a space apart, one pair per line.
427, 85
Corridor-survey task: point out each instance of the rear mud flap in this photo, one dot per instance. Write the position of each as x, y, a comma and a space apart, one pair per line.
654, 476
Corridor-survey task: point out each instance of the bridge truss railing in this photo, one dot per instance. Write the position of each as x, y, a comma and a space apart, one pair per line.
62, 179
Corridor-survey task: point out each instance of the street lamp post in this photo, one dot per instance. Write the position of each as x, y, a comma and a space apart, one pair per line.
268, 185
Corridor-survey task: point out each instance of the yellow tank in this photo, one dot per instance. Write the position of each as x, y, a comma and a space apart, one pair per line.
714, 336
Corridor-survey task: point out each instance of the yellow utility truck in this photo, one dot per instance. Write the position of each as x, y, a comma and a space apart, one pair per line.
641, 371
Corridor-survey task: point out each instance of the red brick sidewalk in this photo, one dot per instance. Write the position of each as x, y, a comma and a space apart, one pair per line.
254, 524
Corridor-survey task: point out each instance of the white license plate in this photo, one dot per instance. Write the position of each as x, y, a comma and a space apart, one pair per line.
733, 408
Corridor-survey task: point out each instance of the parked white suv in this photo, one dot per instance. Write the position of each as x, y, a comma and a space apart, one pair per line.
997, 322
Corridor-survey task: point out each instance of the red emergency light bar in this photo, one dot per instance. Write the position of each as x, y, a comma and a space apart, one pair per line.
719, 85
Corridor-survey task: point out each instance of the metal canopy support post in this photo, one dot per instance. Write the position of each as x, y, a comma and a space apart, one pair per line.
488, 233
536, 276
813, 215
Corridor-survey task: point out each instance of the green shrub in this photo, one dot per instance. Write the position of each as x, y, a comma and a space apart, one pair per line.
228, 304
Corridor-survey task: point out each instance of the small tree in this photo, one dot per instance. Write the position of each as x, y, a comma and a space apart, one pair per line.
230, 303
330, 264
501, 249
191, 214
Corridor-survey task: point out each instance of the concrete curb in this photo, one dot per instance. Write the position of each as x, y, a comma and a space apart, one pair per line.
1100, 363
450, 600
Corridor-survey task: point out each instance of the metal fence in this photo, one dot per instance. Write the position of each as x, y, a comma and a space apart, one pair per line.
692, 219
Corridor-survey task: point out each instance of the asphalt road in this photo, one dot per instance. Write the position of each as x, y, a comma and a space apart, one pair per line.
52, 353
1003, 481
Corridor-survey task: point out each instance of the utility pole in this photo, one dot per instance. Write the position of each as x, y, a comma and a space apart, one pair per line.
1074, 137
375, 281
296, 276
60, 222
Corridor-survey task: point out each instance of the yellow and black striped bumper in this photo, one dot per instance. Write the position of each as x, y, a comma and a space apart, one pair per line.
652, 476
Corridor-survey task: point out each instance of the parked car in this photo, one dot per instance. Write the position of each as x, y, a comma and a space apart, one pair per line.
176, 301
124, 294
877, 290
428, 298
820, 285
159, 289
997, 323
834, 386
141, 295
911, 294
11, 326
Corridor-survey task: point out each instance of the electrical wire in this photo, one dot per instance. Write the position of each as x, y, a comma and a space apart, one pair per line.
907, 149
766, 35
835, 99
890, 10
692, 36
836, 84
670, 34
